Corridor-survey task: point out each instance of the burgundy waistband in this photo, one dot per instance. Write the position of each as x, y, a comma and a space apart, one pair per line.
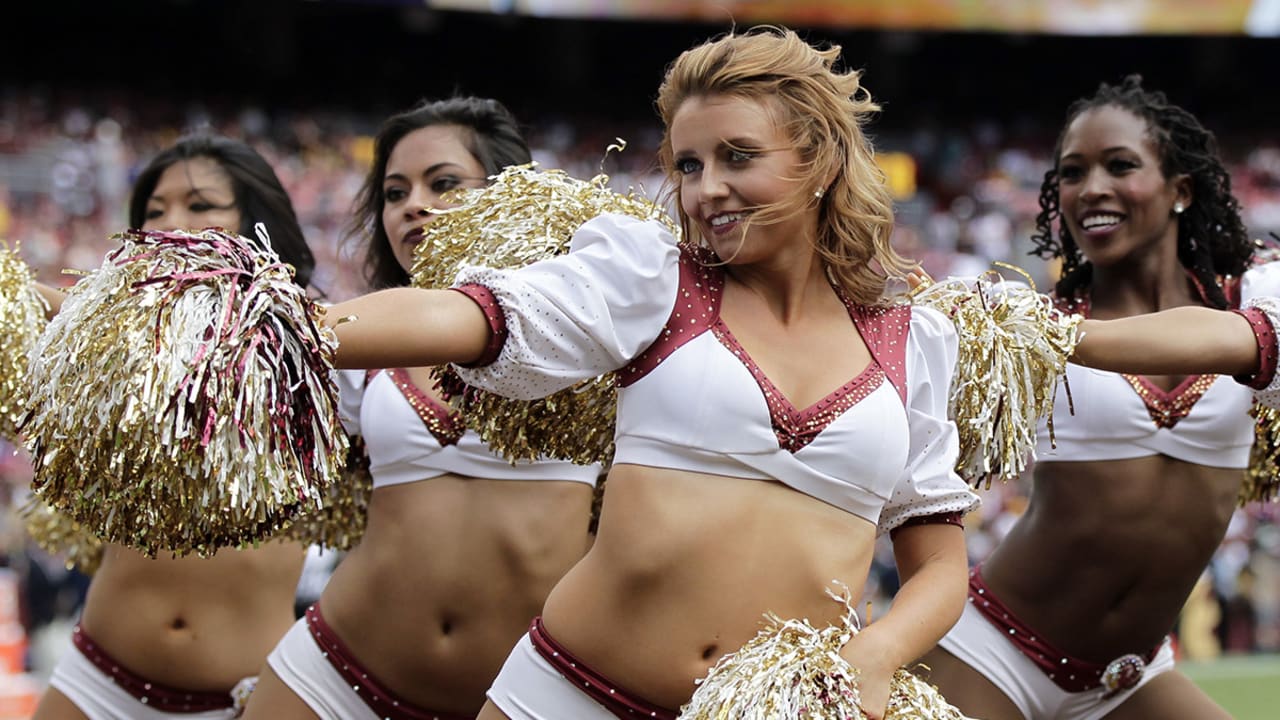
152, 694
382, 701
615, 699
1069, 673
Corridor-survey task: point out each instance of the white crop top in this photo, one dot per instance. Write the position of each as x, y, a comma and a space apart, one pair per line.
410, 436
628, 298
1205, 420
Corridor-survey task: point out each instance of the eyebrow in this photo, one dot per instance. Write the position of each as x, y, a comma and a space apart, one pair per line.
1105, 151
195, 191
428, 171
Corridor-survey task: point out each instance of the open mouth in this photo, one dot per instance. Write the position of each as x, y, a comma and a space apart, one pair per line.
722, 222
1100, 222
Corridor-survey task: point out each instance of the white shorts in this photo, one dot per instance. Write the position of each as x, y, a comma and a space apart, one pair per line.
100, 697
529, 688
983, 647
309, 671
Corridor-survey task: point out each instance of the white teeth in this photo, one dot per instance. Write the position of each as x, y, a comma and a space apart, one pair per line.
1097, 221
725, 219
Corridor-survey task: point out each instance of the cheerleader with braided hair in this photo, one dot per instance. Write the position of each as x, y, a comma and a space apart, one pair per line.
1069, 616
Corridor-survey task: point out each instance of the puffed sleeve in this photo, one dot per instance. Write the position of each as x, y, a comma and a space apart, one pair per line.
579, 315
929, 489
351, 384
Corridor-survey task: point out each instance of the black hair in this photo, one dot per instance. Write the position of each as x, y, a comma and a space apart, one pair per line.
1212, 240
493, 138
259, 196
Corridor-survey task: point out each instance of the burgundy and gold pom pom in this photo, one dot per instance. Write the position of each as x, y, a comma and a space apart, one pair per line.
182, 399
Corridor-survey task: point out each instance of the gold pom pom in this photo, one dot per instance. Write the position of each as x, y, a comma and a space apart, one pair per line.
340, 521
22, 319
182, 399
791, 669
1262, 477
58, 534
1013, 348
521, 217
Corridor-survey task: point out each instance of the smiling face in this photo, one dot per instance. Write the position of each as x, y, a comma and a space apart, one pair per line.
192, 195
421, 168
1114, 197
734, 161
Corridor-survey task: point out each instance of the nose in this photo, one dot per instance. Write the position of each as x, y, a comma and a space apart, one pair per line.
421, 203
711, 183
1095, 186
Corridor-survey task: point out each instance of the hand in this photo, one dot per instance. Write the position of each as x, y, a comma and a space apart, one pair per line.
875, 673
918, 279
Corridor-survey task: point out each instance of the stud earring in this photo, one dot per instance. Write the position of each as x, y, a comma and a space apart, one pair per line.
818, 193
1178, 208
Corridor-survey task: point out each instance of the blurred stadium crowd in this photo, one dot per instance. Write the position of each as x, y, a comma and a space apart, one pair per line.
966, 197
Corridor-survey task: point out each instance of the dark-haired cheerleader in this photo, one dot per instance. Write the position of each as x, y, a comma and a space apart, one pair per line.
1068, 619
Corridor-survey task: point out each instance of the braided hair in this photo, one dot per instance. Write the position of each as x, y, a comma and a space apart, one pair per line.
1212, 240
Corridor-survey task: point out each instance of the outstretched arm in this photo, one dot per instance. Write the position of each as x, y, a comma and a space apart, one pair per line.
1179, 341
408, 327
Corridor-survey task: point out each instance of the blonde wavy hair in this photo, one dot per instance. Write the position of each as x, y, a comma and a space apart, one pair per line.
825, 110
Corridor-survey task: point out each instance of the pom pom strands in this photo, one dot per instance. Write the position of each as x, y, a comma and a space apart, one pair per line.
792, 670
58, 534
181, 398
340, 521
22, 319
1014, 346
523, 216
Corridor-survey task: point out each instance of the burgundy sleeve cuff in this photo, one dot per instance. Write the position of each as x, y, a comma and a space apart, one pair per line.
1265, 334
948, 518
484, 298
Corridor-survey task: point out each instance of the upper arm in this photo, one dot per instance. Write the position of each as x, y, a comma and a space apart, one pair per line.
929, 484
916, 546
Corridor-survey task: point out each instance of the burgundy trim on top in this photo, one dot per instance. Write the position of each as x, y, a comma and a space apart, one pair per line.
444, 425
796, 428
944, 518
1069, 673
1265, 334
484, 297
615, 699
162, 697
884, 328
1166, 408
696, 310
382, 701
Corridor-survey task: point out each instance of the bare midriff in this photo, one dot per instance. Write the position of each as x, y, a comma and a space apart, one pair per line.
1108, 552
447, 578
194, 623
687, 564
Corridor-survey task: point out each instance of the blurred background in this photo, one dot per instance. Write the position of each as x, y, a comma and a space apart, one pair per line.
974, 92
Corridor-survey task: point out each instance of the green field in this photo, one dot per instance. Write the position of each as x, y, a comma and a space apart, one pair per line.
1247, 686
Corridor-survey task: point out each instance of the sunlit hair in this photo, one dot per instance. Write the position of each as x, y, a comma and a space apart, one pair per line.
1212, 240
492, 136
823, 110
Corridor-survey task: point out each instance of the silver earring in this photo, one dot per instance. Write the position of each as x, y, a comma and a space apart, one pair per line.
1178, 208
818, 193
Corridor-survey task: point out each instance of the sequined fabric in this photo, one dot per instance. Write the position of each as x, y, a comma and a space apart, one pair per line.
523, 216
